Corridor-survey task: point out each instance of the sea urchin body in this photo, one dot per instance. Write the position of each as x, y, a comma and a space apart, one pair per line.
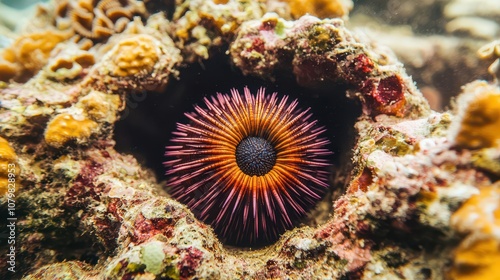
249, 165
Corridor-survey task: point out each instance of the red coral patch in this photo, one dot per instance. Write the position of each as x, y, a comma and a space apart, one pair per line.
144, 228
83, 188
362, 64
362, 181
191, 259
385, 96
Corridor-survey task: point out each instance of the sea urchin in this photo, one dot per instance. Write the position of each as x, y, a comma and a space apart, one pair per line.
249, 165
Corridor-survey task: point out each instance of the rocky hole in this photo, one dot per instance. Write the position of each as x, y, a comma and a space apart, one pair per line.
150, 118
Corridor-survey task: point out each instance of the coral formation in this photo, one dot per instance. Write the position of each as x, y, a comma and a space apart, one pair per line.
8, 70
478, 117
65, 127
134, 56
201, 26
320, 8
70, 270
429, 37
322, 54
432, 62
139, 59
69, 63
478, 254
408, 187
28, 54
99, 107
96, 19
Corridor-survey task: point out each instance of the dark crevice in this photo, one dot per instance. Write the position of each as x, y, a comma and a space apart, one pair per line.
151, 118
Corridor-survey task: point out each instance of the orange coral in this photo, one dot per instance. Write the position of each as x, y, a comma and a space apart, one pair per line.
69, 63
100, 107
8, 168
29, 53
481, 213
478, 260
64, 128
477, 257
480, 124
137, 54
97, 19
33, 50
320, 8
8, 70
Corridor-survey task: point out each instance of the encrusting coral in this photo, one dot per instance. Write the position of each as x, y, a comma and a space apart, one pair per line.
478, 254
96, 20
323, 53
91, 21
137, 62
97, 106
28, 54
200, 26
88, 211
135, 56
320, 8
429, 36
69, 62
64, 128
8, 69
478, 117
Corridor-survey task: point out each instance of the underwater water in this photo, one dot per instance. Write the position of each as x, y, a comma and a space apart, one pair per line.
143, 139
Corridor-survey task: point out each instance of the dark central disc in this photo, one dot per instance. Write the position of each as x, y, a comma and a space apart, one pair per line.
255, 156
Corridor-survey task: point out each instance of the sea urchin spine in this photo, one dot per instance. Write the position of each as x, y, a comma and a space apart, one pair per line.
249, 165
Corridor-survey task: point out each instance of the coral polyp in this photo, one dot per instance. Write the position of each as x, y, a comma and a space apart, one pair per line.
252, 166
